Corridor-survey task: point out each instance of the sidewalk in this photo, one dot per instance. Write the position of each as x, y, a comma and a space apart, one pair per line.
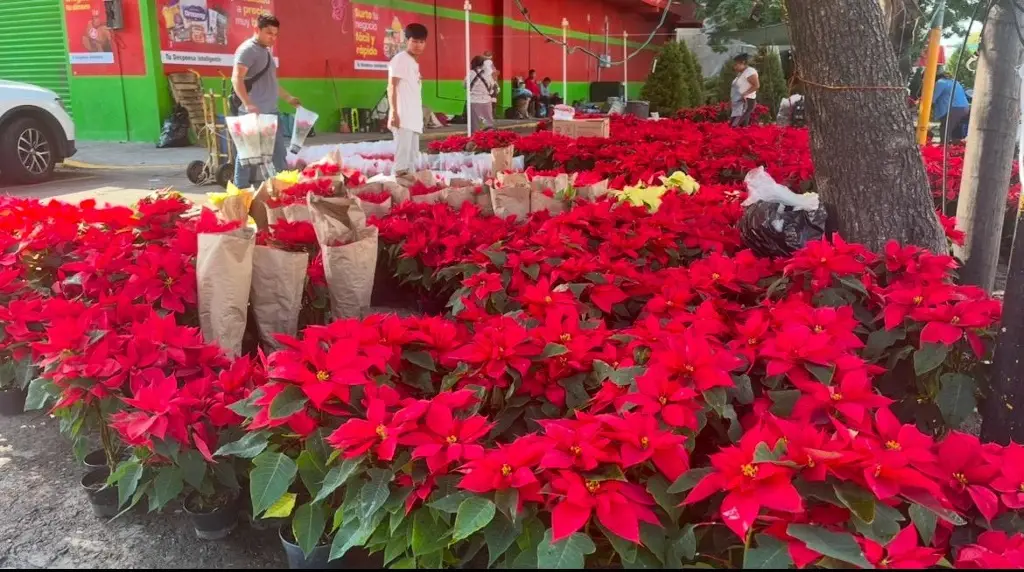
131, 156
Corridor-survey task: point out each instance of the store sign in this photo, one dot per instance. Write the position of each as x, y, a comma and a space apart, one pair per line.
206, 32
378, 37
90, 41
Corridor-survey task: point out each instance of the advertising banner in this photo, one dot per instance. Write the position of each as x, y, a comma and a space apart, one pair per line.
206, 32
378, 37
94, 48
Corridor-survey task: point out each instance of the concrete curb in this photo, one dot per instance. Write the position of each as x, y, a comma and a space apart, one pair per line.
73, 164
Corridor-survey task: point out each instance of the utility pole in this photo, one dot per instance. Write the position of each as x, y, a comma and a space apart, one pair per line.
990, 169
991, 136
931, 69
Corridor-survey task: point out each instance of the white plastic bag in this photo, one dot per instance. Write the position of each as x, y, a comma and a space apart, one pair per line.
762, 187
564, 112
304, 121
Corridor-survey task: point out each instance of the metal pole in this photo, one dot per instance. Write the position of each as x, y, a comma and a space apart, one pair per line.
565, 60
625, 68
469, 113
931, 69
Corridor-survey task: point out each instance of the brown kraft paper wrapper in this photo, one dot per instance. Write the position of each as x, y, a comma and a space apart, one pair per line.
350, 267
456, 196
512, 200
224, 277
483, 201
593, 192
349, 270
375, 209
433, 198
425, 176
278, 280
541, 202
399, 194
501, 158
289, 213
234, 209
258, 210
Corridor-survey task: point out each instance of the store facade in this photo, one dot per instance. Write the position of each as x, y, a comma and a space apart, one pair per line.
333, 54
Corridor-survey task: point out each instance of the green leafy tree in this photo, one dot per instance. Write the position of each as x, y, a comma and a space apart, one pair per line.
773, 82
907, 21
695, 78
965, 75
667, 87
723, 83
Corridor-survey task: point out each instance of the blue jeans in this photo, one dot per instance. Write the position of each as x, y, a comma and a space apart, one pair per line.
245, 174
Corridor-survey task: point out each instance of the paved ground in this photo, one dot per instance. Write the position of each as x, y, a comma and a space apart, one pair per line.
47, 522
117, 155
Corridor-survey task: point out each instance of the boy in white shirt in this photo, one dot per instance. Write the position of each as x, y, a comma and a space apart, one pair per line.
405, 98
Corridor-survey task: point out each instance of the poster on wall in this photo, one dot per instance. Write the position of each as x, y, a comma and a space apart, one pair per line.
378, 37
90, 41
206, 32
95, 49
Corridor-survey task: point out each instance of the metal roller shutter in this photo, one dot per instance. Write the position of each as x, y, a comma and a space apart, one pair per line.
33, 46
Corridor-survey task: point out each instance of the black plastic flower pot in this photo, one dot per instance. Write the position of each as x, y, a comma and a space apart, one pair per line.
212, 523
354, 559
297, 560
12, 401
103, 500
98, 459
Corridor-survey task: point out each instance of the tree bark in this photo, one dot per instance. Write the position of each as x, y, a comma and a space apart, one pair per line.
1001, 411
988, 161
868, 168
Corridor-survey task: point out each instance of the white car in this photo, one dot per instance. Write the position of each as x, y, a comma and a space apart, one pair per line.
36, 133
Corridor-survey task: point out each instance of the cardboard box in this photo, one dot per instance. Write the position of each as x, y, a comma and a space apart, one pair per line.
582, 127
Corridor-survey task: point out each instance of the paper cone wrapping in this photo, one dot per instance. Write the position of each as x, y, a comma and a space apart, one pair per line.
593, 192
278, 281
433, 198
224, 268
350, 266
501, 158
513, 200
456, 196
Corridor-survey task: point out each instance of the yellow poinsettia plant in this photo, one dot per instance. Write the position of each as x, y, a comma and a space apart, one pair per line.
681, 182
217, 199
641, 195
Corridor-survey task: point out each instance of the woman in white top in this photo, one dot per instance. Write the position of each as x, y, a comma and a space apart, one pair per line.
481, 112
744, 90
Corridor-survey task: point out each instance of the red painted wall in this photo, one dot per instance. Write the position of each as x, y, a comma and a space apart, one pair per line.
527, 49
326, 38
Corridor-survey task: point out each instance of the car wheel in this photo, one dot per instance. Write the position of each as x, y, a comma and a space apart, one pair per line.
27, 152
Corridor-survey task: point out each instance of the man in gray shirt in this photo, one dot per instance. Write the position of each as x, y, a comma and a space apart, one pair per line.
254, 80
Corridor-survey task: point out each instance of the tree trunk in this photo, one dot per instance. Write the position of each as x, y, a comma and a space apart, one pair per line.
1001, 411
868, 168
991, 135
901, 18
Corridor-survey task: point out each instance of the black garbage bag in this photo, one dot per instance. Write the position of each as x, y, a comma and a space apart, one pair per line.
175, 131
777, 221
774, 229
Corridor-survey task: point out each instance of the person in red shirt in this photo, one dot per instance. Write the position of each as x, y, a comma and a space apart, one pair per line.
534, 88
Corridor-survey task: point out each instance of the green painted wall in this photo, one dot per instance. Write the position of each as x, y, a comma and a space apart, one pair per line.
133, 108
116, 108
124, 108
